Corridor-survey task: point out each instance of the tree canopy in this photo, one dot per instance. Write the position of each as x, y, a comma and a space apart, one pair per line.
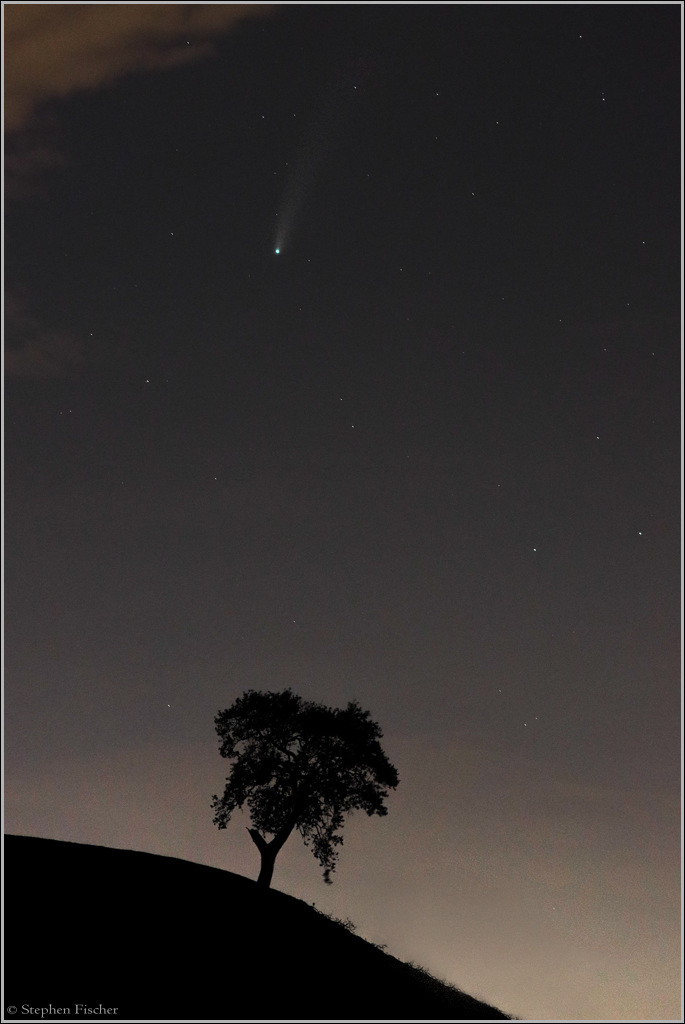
300, 765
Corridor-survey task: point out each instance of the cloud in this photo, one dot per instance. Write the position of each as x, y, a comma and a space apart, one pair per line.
33, 349
51, 52
27, 160
55, 50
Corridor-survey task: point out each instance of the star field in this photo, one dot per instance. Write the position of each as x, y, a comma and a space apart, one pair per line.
426, 458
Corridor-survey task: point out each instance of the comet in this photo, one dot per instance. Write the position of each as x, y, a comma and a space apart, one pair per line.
321, 136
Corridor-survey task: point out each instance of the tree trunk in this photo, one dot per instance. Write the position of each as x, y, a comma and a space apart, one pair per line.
269, 852
266, 871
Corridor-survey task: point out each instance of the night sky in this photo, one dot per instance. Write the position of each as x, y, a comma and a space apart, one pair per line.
426, 457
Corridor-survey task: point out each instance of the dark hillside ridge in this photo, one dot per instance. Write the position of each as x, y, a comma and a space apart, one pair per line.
161, 938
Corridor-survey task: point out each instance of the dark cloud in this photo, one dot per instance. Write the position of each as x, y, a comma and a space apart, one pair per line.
55, 50
27, 160
33, 349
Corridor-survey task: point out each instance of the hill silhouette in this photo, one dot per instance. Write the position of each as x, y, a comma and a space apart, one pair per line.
161, 938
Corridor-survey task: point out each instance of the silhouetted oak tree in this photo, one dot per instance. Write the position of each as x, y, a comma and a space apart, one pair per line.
300, 765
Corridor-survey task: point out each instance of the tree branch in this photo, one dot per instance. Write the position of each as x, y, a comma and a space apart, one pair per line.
259, 840
277, 841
